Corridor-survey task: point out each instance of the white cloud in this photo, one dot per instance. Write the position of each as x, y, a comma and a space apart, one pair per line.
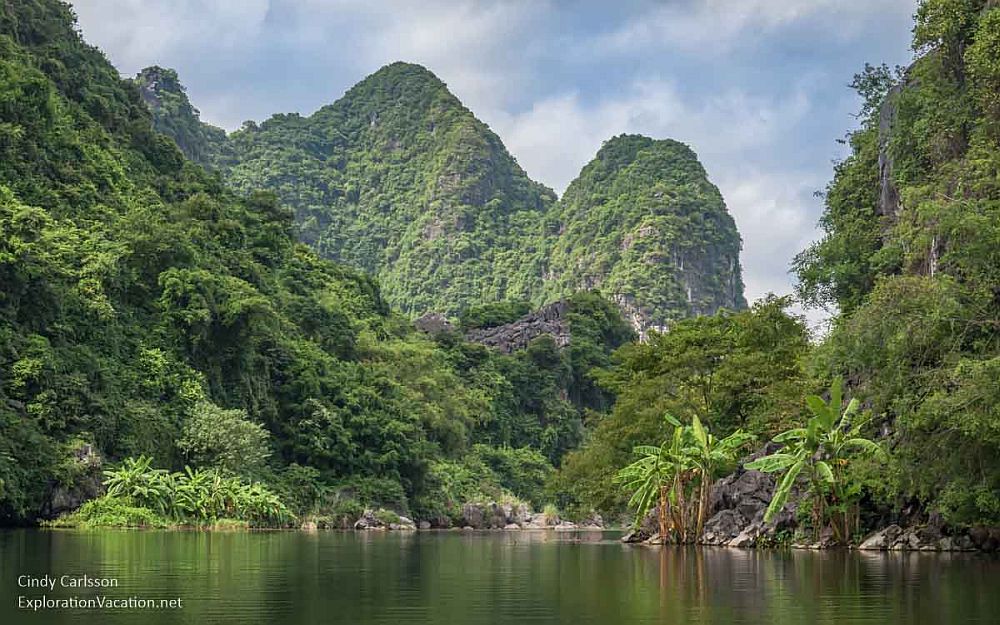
558, 135
137, 33
774, 207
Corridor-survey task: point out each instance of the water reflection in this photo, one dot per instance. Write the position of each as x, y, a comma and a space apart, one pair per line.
496, 577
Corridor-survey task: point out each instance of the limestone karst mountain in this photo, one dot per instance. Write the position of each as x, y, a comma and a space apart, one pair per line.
400, 179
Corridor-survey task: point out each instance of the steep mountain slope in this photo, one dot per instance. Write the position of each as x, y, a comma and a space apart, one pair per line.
399, 179
911, 255
138, 295
174, 116
643, 224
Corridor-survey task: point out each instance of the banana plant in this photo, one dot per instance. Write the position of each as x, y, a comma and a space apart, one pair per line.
654, 476
678, 475
820, 452
708, 455
138, 483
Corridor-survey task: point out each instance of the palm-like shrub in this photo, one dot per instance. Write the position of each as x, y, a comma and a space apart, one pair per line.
138, 484
678, 476
821, 453
194, 495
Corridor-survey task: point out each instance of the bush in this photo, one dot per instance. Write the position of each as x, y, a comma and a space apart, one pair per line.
111, 512
224, 439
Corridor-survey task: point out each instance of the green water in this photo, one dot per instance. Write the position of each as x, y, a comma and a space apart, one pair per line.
478, 578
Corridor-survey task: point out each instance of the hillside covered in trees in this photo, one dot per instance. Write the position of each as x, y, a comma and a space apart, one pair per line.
397, 178
147, 310
153, 307
910, 257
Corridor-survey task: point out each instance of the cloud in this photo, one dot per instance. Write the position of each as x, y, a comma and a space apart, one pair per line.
714, 27
558, 135
135, 32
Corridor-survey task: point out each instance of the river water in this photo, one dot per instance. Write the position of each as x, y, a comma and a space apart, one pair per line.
475, 578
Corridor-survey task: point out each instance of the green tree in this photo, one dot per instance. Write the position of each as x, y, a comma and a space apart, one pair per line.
678, 476
821, 452
224, 439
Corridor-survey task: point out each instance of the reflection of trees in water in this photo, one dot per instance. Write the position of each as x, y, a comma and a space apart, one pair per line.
481, 578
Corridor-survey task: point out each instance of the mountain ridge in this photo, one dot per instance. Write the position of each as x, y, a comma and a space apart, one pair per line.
397, 177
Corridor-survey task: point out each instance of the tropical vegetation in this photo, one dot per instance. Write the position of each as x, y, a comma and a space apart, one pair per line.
821, 453
260, 344
678, 475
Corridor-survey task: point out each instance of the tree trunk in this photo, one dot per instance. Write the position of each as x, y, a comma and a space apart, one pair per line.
702, 506
682, 530
664, 502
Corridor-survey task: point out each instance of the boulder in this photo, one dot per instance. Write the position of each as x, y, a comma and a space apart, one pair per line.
433, 323
495, 515
536, 521
635, 536
507, 338
473, 515
746, 538
519, 513
512, 526
738, 504
592, 521
566, 526
424, 525
380, 520
723, 527
403, 524
882, 539
86, 484
369, 521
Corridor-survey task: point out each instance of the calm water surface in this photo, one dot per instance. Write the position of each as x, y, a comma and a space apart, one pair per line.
478, 578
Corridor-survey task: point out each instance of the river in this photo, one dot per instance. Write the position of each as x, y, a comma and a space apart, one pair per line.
474, 578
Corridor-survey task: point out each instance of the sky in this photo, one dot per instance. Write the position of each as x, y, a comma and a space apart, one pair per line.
758, 88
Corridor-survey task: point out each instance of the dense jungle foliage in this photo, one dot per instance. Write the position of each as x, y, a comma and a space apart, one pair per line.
399, 179
911, 256
910, 259
151, 309
146, 310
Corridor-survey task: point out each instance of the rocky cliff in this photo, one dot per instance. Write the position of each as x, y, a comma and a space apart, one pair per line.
548, 320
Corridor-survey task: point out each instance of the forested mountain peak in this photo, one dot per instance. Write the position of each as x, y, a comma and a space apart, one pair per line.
644, 224
400, 179
144, 305
175, 116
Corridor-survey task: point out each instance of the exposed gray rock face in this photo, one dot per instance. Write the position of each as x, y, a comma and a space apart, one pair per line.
87, 485
541, 521
368, 521
930, 538
375, 520
433, 323
592, 521
635, 536
403, 523
549, 319
738, 504
888, 200
723, 527
494, 515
